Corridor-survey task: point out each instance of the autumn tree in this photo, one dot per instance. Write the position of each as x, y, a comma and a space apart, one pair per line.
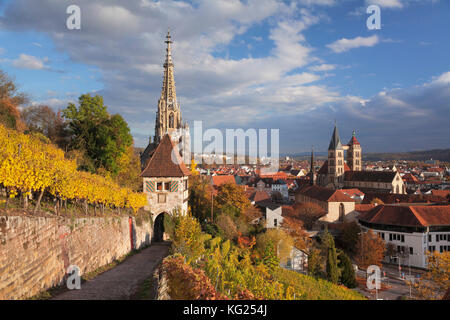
43, 119
227, 227
294, 227
436, 281
232, 198
309, 213
282, 241
200, 197
10, 101
130, 170
370, 250
188, 239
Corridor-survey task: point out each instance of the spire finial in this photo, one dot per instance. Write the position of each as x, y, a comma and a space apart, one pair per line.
354, 132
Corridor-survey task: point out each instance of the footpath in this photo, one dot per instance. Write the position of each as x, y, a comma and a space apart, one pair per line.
123, 281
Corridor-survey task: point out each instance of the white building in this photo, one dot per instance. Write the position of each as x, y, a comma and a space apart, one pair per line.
281, 187
412, 230
272, 213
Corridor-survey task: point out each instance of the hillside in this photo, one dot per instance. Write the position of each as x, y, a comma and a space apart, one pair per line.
437, 154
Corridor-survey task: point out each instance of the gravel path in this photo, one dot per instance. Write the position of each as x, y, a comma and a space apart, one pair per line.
123, 281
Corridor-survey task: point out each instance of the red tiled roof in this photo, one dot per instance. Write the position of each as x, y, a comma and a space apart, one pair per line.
165, 161
364, 207
440, 193
353, 192
389, 198
258, 196
412, 216
219, 180
325, 194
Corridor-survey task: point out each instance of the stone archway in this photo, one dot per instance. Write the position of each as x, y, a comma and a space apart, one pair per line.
158, 227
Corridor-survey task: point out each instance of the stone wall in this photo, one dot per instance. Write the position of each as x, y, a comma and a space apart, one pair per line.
35, 252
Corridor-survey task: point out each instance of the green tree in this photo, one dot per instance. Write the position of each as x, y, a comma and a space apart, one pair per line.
102, 137
347, 277
349, 237
332, 268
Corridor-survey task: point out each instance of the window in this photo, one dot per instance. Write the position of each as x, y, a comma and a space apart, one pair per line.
437, 238
432, 248
411, 250
341, 212
382, 235
390, 236
161, 198
275, 222
403, 238
185, 184
166, 185
159, 186
429, 238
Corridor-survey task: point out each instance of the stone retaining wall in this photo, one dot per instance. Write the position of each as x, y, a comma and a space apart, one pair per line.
35, 252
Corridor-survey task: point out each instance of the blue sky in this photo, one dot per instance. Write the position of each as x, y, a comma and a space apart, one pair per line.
291, 65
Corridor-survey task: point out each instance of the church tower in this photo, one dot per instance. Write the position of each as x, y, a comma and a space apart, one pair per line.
335, 159
354, 154
168, 116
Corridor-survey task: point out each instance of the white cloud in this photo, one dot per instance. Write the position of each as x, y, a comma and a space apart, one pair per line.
26, 61
443, 78
344, 44
323, 67
397, 4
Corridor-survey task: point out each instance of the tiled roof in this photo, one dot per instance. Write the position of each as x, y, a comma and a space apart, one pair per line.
325, 194
389, 198
364, 207
440, 193
353, 192
370, 176
411, 216
219, 180
258, 196
165, 161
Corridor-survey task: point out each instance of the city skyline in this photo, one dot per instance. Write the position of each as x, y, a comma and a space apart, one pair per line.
296, 66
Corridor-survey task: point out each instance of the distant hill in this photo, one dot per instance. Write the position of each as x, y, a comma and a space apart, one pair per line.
438, 154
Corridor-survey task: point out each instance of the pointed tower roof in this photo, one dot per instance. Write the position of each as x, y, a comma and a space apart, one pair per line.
353, 140
168, 92
165, 161
335, 143
312, 161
